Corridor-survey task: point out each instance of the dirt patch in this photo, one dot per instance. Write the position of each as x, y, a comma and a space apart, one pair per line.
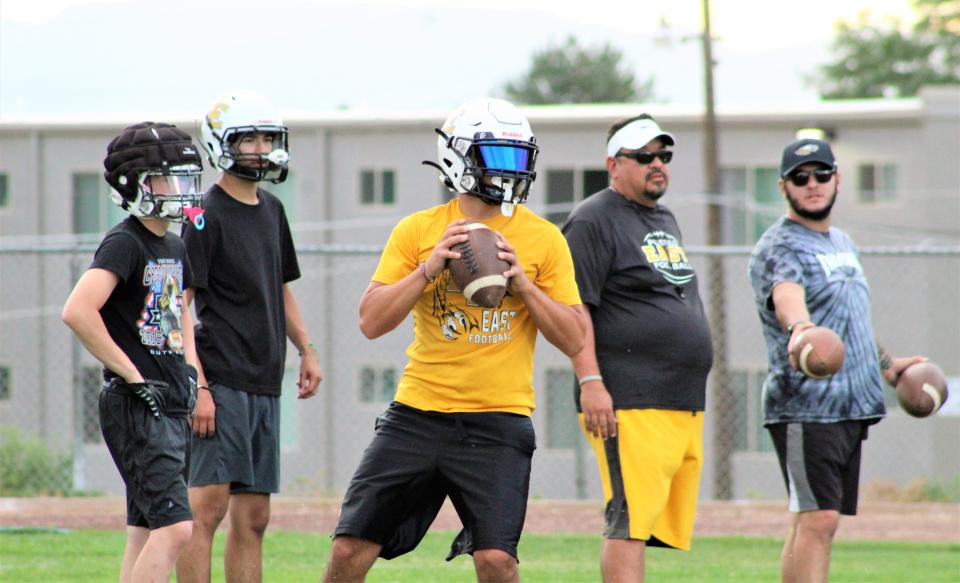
921, 522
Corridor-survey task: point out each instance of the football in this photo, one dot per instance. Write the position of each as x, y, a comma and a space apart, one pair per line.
921, 389
479, 272
819, 352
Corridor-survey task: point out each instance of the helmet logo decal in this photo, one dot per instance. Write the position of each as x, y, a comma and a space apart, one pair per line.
213, 118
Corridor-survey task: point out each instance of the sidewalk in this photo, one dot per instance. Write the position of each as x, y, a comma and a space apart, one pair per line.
920, 522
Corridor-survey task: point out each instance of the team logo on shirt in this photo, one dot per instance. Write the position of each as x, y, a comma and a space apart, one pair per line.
665, 253
831, 262
455, 321
159, 322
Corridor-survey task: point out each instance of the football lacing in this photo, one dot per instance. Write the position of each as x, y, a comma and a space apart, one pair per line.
466, 253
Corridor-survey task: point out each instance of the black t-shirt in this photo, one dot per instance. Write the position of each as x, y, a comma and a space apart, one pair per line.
652, 337
143, 313
240, 261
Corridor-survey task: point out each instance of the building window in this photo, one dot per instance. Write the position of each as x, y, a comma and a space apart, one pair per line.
878, 182
750, 435
377, 384
567, 186
4, 190
563, 430
5, 382
377, 187
91, 380
286, 192
93, 211
754, 202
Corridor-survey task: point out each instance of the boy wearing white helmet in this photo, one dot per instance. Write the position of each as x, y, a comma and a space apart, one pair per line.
140, 268
459, 425
243, 261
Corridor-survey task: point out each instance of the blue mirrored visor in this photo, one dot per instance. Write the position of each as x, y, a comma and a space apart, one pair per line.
504, 157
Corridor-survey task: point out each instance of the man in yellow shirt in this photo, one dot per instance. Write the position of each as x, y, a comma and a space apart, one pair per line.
460, 422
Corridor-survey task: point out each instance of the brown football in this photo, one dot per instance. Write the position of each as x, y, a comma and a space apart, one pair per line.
479, 272
819, 352
921, 389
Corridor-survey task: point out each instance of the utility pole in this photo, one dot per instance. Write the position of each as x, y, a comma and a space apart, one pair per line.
722, 400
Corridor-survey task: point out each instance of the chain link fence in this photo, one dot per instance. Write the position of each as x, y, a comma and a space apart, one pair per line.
50, 439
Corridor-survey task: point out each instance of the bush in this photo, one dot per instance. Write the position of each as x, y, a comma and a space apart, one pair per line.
28, 467
919, 490
948, 491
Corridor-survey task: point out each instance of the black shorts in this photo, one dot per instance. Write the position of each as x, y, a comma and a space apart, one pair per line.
244, 450
820, 463
151, 456
418, 458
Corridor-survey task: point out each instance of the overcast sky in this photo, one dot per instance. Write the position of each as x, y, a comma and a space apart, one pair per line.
67, 57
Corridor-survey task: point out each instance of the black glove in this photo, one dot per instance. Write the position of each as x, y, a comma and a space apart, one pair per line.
151, 392
193, 375
192, 398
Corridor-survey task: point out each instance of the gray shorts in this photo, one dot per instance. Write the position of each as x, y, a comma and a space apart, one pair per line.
245, 449
150, 455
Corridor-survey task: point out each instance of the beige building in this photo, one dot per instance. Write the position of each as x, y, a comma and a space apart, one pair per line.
354, 174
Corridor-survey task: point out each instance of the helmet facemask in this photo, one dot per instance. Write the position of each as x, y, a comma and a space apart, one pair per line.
170, 194
271, 167
497, 171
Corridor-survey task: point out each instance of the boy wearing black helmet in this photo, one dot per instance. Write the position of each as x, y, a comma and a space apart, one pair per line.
126, 310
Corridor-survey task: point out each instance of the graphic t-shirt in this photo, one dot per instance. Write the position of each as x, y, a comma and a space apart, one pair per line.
143, 314
240, 260
651, 335
465, 357
827, 266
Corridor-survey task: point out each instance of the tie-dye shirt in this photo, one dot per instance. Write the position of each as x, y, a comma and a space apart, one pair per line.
827, 266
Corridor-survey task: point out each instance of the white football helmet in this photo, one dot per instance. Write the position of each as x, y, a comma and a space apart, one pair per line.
155, 170
230, 117
487, 149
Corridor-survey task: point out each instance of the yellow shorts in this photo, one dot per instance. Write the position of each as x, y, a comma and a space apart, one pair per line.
651, 473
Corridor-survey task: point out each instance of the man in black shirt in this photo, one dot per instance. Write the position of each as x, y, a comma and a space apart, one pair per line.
243, 260
127, 311
642, 373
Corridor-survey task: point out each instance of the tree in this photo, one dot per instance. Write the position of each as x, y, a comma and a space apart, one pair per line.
569, 73
884, 60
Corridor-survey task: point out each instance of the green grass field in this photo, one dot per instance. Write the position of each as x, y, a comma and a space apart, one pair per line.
94, 556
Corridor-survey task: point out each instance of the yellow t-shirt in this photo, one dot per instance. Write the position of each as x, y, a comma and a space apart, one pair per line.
466, 358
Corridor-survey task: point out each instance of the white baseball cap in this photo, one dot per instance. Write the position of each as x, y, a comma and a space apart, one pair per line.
636, 135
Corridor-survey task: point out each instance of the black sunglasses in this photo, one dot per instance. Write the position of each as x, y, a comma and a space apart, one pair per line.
645, 158
802, 178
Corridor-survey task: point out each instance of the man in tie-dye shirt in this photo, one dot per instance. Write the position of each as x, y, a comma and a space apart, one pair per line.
807, 273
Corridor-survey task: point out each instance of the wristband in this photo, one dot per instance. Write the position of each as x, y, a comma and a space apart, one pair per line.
588, 378
795, 324
423, 270
310, 346
205, 387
